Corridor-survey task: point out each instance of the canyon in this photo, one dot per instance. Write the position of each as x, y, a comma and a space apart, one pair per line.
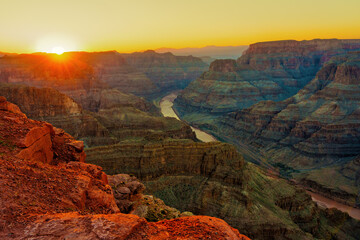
204, 178
310, 136
289, 107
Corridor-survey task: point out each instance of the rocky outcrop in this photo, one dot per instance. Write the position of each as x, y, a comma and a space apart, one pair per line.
48, 192
266, 71
43, 171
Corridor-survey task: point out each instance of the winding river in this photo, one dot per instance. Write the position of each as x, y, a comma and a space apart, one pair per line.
166, 106
325, 202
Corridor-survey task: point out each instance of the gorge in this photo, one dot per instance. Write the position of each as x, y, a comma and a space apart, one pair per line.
185, 163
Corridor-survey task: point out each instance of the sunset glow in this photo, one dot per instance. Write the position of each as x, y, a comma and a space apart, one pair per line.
128, 26
58, 50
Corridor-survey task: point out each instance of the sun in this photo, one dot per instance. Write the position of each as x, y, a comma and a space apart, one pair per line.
58, 50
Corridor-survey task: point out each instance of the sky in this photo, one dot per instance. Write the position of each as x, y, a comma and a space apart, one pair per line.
136, 25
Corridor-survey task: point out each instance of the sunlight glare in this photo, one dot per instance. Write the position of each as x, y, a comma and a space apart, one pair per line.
58, 50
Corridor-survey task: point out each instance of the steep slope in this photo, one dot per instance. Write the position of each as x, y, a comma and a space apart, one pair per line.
48, 192
213, 179
266, 71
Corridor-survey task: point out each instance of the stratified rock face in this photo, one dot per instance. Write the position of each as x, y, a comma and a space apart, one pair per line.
317, 127
48, 192
212, 179
96, 99
39, 103
154, 160
266, 71
145, 74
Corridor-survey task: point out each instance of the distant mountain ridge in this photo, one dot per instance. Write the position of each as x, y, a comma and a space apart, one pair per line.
217, 52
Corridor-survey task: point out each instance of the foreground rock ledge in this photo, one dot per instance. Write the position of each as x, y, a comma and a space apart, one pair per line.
49, 192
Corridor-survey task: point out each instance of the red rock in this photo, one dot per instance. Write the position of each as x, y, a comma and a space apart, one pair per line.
6, 106
34, 135
78, 145
127, 226
39, 150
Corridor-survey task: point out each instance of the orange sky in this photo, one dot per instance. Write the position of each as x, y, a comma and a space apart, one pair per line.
131, 25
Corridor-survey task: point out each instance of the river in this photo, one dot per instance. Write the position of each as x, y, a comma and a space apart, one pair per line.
325, 202
166, 106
